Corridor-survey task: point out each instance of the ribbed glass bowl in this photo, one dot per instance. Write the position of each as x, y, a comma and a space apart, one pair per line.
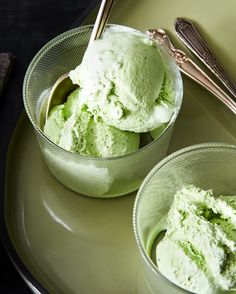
97, 177
207, 166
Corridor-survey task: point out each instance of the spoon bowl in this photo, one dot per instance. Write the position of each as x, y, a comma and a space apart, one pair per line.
60, 91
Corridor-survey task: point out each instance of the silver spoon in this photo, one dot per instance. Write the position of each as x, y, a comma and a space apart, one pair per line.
191, 69
64, 86
191, 37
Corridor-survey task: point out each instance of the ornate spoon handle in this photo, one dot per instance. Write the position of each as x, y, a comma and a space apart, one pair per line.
188, 67
190, 36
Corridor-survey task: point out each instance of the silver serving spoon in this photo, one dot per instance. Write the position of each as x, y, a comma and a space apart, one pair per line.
190, 68
64, 86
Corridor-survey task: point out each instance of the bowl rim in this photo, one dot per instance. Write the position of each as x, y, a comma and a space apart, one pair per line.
150, 175
70, 33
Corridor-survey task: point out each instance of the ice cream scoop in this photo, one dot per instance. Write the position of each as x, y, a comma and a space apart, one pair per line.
124, 80
198, 251
76, 129
63, 86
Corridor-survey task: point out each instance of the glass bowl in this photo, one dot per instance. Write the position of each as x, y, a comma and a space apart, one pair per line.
91, 176
207, 166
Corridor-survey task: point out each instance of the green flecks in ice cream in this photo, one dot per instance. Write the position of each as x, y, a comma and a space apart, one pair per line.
166, 94
76, 129
55, 123
165, 99
198, 251
72, 103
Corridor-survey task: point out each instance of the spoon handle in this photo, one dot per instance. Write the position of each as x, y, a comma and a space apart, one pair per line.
101, 20
191, 69
190, 36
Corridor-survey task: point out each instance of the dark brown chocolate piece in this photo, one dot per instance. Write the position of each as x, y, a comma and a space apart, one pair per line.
6, 63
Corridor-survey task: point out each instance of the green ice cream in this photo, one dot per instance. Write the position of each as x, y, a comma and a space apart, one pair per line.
198, 251
124, 89
124, 81
74, 128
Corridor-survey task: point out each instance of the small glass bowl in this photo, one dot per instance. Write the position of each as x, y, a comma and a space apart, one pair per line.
207, 166
91, 176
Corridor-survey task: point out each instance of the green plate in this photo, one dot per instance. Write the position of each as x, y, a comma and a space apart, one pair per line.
74, 244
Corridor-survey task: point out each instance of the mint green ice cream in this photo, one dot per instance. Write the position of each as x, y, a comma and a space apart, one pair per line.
76, 129
198, 252
124, 90
124, 81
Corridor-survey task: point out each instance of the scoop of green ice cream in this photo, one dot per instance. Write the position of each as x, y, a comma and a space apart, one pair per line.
122, 78
198, 251
75, 129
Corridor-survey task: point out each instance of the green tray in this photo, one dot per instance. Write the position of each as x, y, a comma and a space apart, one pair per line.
74, 244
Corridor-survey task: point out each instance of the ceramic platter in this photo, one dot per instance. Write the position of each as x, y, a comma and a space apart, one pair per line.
62, 242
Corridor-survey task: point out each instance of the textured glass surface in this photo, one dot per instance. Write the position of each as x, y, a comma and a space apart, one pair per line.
98, 177
208, 166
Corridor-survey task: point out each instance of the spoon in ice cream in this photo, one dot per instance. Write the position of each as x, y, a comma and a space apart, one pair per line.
64, 86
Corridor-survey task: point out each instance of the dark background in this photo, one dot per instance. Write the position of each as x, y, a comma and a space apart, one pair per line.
25, 26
